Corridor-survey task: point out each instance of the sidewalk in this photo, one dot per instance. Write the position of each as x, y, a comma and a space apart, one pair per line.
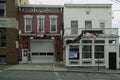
58, 67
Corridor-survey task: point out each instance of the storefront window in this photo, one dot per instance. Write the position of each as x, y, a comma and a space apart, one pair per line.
99, 51
74, 52
86, 51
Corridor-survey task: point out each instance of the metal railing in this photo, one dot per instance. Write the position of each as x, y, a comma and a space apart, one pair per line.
104, 32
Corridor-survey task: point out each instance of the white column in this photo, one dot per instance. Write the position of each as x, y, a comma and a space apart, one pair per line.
93, 54
67, 55
80, 60
117, 54
106, 56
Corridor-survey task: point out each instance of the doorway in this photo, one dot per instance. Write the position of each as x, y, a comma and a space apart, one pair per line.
112, 60
24, 56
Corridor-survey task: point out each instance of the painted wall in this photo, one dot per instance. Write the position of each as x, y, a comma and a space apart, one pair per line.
96, 14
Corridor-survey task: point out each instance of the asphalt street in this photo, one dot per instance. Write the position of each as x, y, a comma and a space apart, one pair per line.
41, 75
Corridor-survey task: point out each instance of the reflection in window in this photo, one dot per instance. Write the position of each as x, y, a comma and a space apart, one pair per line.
86, 41
112, 41
74, 52
86, 51
2, 9
53, 24
74, 27
2, 37
28, 25
99, 51
41, 24
88, 24
99, 41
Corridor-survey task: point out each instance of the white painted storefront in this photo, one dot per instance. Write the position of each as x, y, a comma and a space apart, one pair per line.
93, 18
42, 51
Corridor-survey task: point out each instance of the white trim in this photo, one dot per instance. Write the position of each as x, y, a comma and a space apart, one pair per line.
55, 17
42, 17
27, 16
24, 56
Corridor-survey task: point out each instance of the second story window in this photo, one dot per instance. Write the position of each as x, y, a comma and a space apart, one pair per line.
2, 9
74, 27
102, 24
53, 23
28, 23
2, 37
40, 23
88, 24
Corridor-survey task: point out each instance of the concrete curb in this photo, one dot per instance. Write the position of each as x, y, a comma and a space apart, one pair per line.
94, 72
55, 68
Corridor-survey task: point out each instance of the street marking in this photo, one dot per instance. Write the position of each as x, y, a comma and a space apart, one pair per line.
56, 73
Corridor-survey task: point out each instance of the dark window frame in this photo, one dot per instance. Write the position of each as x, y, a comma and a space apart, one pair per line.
3, 42
2, 8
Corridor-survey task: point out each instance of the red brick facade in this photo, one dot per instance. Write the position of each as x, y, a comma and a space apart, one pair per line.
34, 11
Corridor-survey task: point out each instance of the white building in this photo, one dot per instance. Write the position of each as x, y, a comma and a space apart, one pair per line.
88, 51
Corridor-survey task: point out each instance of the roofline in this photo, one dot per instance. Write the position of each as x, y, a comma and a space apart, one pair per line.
87, 4
50, 6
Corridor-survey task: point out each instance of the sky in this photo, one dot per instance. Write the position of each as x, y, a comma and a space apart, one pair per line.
115, 7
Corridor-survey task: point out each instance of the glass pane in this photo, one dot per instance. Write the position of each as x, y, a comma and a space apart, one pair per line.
74, 52
74, 27
112, 41
99, 41
86, 41
28, 21
53, 28
28, 27
53, 24
86, 51
2, 5
2, 12
99, 51
2, 37
102, 25
88, 24
41, 24
28, 24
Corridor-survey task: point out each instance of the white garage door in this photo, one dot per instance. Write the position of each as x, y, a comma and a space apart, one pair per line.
42, 51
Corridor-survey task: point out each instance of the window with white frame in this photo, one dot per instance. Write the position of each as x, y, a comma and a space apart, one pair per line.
74, 52
40, 23
53, 23
99, 51
74, 27
88, 24
28, 23
2, 9
102, 24
112, 41
86, 51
